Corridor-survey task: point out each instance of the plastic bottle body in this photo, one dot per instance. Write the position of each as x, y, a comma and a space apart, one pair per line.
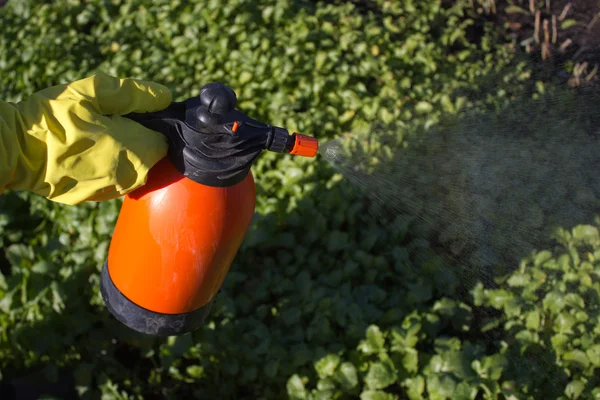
175, 240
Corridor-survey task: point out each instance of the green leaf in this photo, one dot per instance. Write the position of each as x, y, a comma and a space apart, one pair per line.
527, 337
195, 371
42, 267
500, 298
593, 354
381, 374
347, 376
447, 104
564, 323
386, 116
554, 301
447, 344
574, 389
375, 395
479, 294
415, 387
245, 77
58, 304
410, 360
489, 324
406, 338
423, 107
577, 358
325, 384
375, 341
18, 253
574, 300
533, 320
320, 59
568, 23
441, 386
513, 9
559, 342
465, 391
540, 87
542, 257
519, 280
586, 234
295, 388
327, 365
490, 367
6, 301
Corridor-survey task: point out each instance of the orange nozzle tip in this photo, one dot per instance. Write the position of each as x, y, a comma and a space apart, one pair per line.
305, 146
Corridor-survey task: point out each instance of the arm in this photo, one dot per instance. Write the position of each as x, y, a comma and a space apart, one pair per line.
69, 143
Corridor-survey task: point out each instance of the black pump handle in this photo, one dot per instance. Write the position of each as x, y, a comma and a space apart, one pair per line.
210, 141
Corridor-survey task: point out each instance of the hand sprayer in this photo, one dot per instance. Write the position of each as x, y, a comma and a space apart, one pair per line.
176, 237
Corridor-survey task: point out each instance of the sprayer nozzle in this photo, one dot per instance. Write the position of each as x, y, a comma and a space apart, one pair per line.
304, 146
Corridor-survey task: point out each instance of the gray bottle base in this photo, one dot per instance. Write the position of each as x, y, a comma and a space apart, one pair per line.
145, 321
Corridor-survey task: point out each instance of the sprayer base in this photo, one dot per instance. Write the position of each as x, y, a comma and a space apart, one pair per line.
145, 321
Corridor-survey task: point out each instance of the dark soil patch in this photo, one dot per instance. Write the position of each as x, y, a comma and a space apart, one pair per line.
559, 35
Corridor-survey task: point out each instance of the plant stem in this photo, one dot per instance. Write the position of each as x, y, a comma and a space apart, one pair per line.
592, 74
593, 21
565, 44
538, 16
564, 12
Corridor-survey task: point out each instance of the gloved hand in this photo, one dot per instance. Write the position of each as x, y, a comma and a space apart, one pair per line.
70, 143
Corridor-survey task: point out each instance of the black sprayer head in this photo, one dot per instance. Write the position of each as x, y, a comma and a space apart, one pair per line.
214, 144
217, 100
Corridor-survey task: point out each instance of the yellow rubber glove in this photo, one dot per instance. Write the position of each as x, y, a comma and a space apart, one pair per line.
70, 144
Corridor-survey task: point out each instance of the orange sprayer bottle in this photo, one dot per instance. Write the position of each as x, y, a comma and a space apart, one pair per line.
177, 236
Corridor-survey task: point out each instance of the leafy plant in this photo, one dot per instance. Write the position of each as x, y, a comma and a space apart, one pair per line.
541, 341
322, 293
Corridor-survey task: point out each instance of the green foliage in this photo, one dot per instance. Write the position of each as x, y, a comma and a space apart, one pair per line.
539, 342
323, 301
488, 185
